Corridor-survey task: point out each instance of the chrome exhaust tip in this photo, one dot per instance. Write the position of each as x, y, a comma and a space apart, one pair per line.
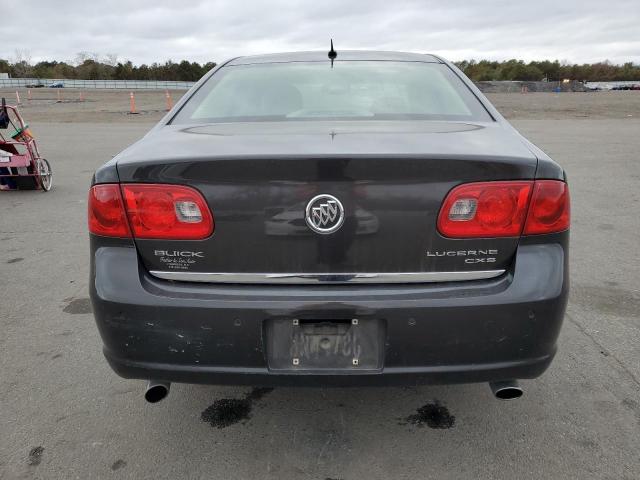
156, 391
506, 390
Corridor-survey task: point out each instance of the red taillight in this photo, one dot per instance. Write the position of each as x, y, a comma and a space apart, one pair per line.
499, 209
159, 211
106, 211
167, 212
550, 208
486, 209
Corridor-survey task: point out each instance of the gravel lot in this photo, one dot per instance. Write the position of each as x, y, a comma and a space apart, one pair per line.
64, 414
106, 106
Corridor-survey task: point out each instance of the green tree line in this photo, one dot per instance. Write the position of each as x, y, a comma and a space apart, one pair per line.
90, 69
551, 71
96, 69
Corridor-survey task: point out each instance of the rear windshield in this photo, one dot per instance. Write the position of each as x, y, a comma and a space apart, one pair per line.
351, 90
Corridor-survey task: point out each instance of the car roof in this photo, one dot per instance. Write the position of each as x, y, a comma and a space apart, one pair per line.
342, 55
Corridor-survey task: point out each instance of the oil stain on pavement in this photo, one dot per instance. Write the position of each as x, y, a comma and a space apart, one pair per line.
78, 306
257, 394
35, 455
118, 464
433, 415
228, 411
15, 260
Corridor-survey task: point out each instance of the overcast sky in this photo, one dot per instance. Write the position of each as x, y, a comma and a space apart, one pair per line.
146, 31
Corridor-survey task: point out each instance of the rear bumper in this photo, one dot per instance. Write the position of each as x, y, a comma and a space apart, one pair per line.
397, 376
477, 331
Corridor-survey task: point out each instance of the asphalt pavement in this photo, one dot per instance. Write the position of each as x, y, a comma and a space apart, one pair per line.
65, 414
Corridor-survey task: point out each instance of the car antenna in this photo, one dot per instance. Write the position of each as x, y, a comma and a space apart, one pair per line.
332, 53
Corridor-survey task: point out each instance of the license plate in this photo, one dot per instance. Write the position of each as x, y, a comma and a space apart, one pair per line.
351, 345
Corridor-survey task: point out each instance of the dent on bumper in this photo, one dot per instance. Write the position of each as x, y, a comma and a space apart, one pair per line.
455, 332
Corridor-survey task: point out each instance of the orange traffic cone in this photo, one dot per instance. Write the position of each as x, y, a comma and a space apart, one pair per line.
81, 96
169, 100
29, 95
59, 97
132, 103
18, 98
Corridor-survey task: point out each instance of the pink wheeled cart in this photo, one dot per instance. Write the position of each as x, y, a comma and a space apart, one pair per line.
21, 165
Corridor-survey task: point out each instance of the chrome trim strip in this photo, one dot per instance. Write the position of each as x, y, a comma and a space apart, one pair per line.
326, 278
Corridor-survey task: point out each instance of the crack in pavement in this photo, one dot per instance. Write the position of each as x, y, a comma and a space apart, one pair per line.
601, 346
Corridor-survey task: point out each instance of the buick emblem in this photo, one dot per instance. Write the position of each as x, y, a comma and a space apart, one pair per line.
324, 214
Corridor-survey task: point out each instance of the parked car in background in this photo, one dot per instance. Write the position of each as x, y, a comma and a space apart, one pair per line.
37, 84
363, 219
56, 85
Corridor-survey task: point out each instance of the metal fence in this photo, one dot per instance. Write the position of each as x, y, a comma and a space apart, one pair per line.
610, 85
511, 86
489, 87
89, 84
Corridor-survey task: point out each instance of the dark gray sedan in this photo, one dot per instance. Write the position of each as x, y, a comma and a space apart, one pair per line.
367, 219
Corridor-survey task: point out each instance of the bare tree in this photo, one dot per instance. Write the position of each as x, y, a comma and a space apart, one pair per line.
83, 56
22, 56
22, 63
111, 59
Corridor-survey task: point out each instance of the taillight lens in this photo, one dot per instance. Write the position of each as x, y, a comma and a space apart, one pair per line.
485, 209
167, 212
499, 209
550, 208
159, 211
106, 211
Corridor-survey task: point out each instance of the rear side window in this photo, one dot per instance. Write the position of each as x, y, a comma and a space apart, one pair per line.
351, 90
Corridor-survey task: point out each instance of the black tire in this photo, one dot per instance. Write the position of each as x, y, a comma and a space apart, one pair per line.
45, 175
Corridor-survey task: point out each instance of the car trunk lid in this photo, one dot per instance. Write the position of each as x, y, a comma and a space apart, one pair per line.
390, 178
